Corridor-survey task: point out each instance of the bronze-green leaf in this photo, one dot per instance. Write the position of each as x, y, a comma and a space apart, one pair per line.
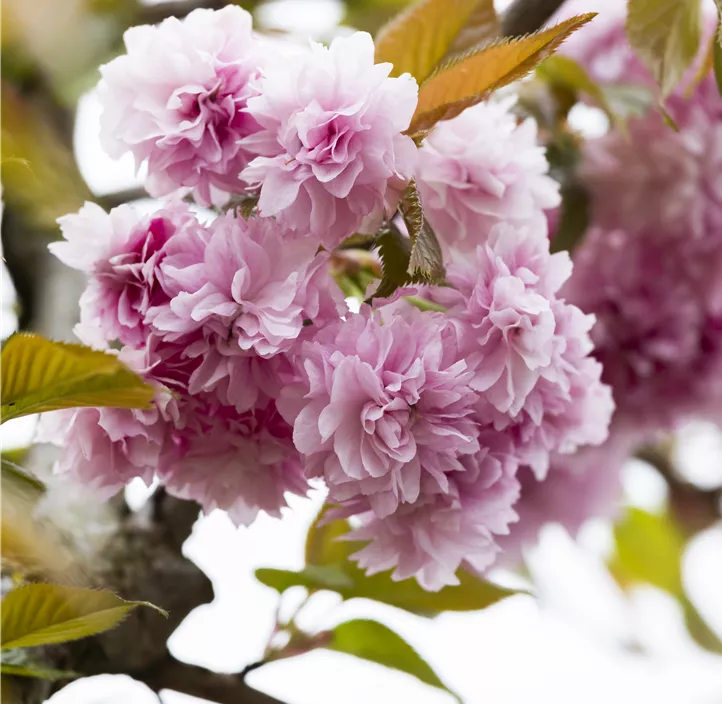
419, 37
40, 375
372, 641
426, 261
473, 77
41, 614
666, 35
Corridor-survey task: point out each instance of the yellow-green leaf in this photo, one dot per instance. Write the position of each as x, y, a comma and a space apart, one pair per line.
472, 78
564, 72
666, 35
648, 550
372, 641
40, 375
327, 549
37, 671
41, 614
418, 38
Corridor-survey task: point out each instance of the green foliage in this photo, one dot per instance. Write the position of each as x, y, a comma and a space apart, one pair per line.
326, 549
20, 479
426, 261
574, 218
40, 375
419, 37
395, 252
471, 78
372, 641
666, 35
37, 671
564, 73
41, 614
648, 550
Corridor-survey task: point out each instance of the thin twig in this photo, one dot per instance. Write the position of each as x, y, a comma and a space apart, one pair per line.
200, 682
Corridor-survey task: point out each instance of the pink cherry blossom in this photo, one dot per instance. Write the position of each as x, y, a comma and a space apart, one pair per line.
245, 303
331, 152
122, 251
659, 322
431, 538
579, 487
383, 409
480, 169
105, 448
178, 100
239, 463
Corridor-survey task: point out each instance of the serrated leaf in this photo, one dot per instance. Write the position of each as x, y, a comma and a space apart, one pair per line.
37, 671
325, 546
41, 614
40, 375
666, 35
395, 253
472, 78
420, 36
372, 641
426, 261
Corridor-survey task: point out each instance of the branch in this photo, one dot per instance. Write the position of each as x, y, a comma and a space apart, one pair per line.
200, 682
694, 509
527, 16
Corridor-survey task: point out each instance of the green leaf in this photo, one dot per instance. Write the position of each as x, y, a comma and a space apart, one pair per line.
717, 64
426, 261
473, 77
37, 671
326, 547
574, 218
39, 375
628, 100
395, 253
565, 73
666, 35
40, 614
313, 577
372, 641
20, 479
418, 38
702, 634
648, 550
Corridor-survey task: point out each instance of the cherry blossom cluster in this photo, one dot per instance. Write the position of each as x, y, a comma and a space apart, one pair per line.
649, 269
418, 411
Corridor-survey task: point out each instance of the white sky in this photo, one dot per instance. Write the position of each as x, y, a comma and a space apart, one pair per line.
563, 648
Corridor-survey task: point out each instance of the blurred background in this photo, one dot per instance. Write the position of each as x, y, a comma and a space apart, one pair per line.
581, 638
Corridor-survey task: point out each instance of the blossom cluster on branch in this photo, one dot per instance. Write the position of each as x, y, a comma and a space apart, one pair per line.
649, 269
417, 419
